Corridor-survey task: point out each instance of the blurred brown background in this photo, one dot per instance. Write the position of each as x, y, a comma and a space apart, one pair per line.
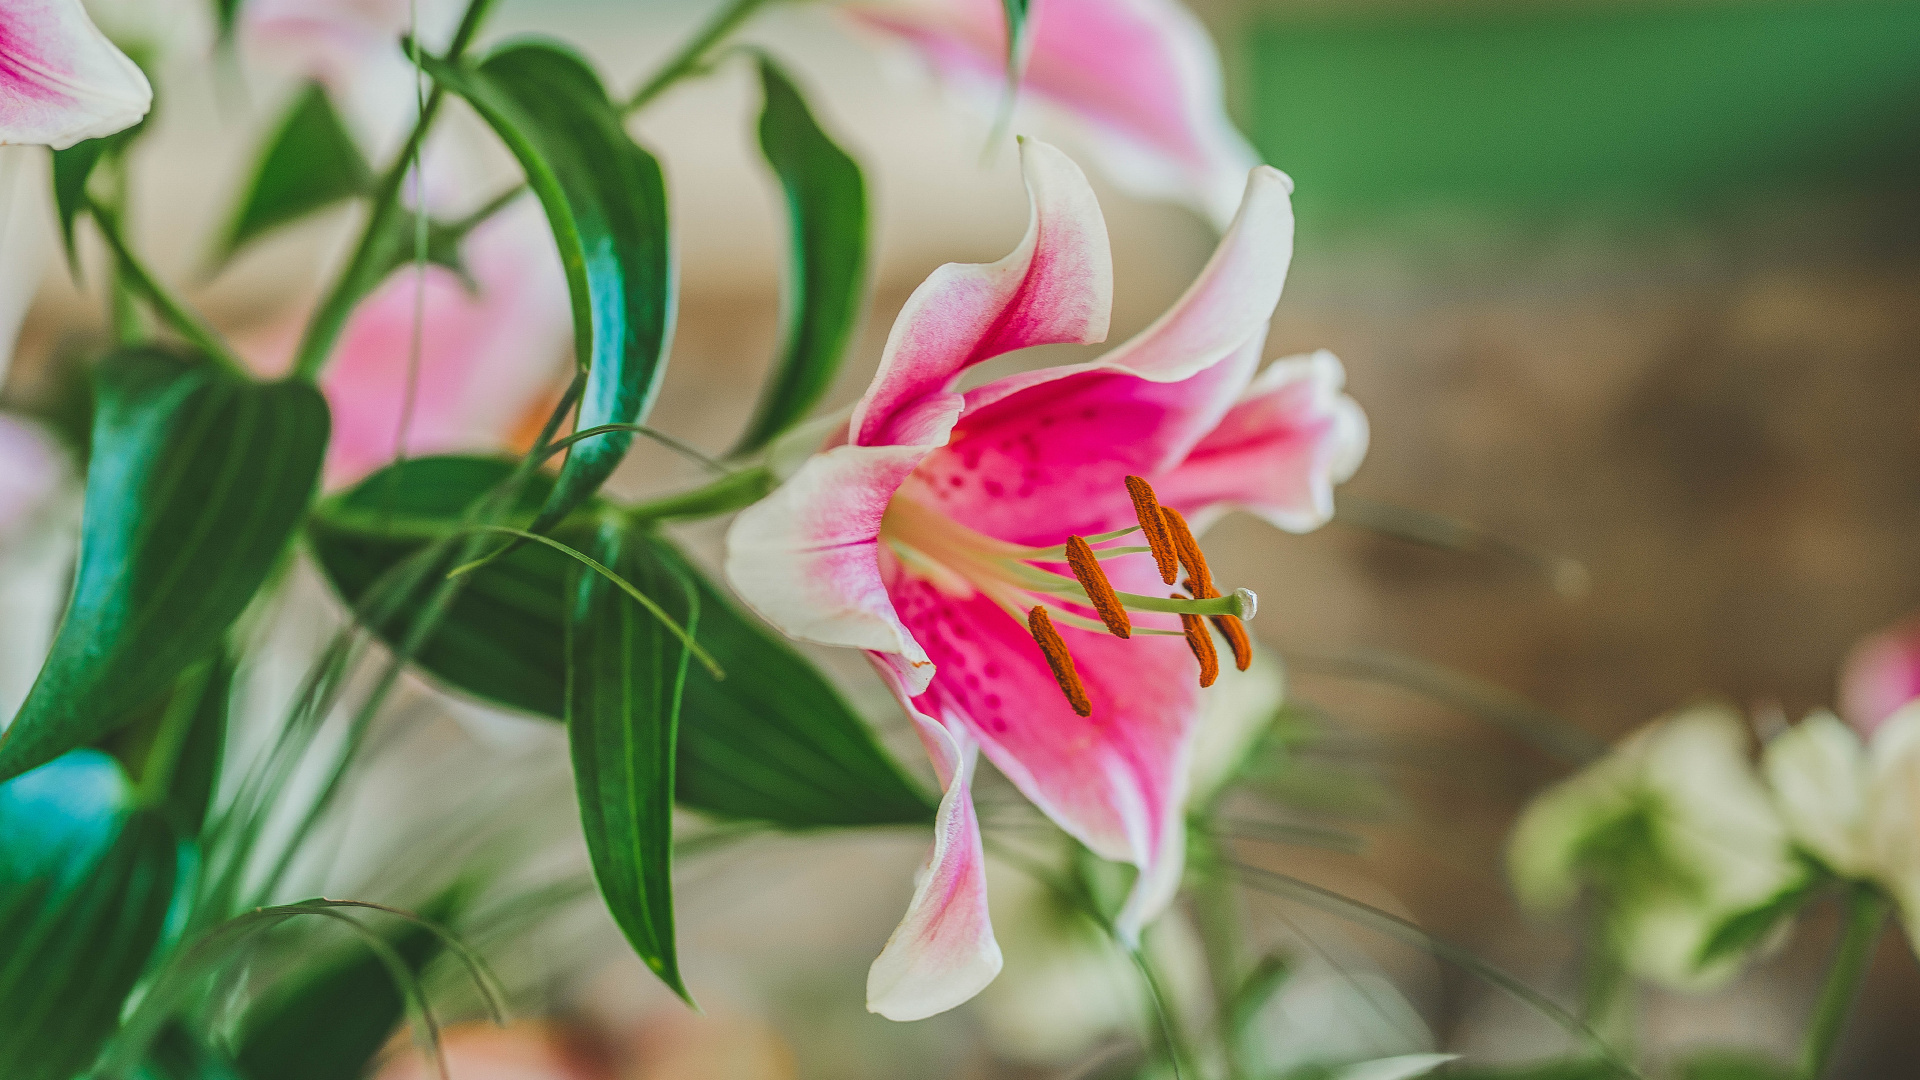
1698, 376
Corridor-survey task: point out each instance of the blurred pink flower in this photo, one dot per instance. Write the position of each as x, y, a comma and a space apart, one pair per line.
353, 47
61, 80
929, 534
1139, 79
487, 356
33, 469
1881, 674
528, 1051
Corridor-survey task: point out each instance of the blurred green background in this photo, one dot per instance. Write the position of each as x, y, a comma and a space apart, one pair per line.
1620, 107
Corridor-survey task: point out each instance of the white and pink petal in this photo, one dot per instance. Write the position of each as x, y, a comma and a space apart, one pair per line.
1279, 452
1115, 780
1055, 287
807, 558
943, 952
61, 80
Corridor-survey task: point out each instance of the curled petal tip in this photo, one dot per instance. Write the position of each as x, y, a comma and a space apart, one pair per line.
61, 80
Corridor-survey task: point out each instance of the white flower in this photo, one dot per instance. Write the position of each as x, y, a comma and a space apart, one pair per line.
1855, 807
1676, 833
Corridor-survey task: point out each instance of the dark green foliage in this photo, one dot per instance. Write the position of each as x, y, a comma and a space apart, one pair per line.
826, 202
310, 163
625, 677
606, 200
85, 882
772, 741
197, 480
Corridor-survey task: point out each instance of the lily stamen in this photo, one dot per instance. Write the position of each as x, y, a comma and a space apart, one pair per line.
1199, 578
1201, 642
1153, 525
1086, 569
1061, 661
1236, 634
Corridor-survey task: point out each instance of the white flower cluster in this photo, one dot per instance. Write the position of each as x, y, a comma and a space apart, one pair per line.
1697, 858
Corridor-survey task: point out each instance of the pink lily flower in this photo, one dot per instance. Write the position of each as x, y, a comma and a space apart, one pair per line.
61, 80
1881, 674
932, 533
488, 354
1138, 79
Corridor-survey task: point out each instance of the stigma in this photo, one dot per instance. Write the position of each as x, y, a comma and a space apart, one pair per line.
1026, 582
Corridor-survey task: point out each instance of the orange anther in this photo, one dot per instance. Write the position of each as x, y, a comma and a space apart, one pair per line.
1199, 578
1201, 643
1236, 634
1086, 570
1146, 508
1040, 625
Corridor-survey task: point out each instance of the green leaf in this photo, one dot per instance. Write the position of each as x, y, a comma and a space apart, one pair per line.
329, 1020
310, 163
606, 201
1747, 929
773, 741
625, 678
85, 882
827, 263
73, 167
197, 480
186, 790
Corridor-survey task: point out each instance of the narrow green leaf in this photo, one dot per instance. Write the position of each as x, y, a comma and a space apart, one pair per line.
1746, 930
197, 480
328, 1020
827, 262
310, 163
625, 678
606, 201
773, 741
195, 765
1016, 12
72, 168
85, 882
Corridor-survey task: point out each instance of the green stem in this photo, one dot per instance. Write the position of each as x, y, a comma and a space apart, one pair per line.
135, 276
373, 253
688, 59
122, 315
1864, 911
1216, 909
730, 492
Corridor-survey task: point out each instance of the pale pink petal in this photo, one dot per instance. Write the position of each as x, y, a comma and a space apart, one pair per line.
1881, 674
1279, 452
33, 470
1115, 780
61, 80
807, 557
486, 357
1055, 287
943, 952
1139, 79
